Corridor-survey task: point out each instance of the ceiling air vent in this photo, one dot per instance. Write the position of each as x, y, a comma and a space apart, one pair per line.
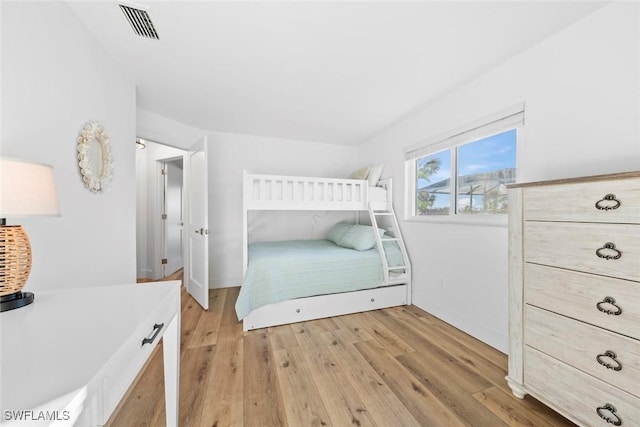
140, 21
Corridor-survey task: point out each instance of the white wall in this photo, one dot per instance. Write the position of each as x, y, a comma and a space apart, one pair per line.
581, 88
167, 131
229, 154
56, 78
143, 269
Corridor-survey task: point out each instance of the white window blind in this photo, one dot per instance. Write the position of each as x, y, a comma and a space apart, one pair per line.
495, 123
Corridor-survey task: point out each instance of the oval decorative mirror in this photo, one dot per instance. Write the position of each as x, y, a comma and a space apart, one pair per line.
95, 157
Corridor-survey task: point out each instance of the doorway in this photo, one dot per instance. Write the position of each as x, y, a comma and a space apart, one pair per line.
159, 195
172, 217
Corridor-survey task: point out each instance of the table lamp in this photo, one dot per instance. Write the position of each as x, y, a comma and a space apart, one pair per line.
26, 189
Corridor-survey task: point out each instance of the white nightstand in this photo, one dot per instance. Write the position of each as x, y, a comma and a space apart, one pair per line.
68, 358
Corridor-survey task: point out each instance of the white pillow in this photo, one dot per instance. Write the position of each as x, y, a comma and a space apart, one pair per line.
375, 173
360, 173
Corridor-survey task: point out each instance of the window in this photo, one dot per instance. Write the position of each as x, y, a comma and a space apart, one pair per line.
433, 187
465, 174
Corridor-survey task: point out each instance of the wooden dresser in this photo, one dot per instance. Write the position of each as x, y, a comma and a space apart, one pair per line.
574, 296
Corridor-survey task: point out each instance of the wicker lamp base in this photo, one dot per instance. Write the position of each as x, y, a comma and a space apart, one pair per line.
15, 266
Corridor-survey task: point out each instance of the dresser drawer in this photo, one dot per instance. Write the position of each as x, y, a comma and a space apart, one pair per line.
577, 394
122, 369
617, 202
607, 249
606, 355
579, 295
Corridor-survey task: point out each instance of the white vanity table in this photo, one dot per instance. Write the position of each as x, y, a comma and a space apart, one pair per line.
68, 358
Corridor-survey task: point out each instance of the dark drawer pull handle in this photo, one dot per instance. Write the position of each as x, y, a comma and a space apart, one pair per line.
608, 247
611, 355
612, 301
157, 327
604, 206
611, 417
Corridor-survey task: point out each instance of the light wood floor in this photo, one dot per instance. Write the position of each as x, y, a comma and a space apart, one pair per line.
391, 367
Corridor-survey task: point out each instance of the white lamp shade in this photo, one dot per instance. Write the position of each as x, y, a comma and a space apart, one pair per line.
27, 189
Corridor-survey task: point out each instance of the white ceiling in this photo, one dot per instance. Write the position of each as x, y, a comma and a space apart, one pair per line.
335, 72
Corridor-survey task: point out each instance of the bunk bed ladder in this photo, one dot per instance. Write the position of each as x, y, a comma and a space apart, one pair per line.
396, 237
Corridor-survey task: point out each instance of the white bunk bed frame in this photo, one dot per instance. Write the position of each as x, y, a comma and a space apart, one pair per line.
286, 193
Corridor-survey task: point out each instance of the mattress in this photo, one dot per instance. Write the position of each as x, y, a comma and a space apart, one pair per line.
280, 271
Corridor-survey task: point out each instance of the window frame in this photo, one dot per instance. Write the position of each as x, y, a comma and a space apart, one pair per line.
505, 120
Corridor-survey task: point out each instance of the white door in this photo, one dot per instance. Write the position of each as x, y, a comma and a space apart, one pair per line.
172, 218
197, 227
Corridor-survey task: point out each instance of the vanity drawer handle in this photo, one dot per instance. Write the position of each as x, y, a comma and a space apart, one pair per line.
608, 203
611, 417
157, 328
611, 355
608, 251
612, 301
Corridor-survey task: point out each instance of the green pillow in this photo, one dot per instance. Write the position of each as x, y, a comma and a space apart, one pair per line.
337, 232
353, 236
359, 237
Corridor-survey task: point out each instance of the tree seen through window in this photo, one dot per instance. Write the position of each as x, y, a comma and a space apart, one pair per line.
484, 167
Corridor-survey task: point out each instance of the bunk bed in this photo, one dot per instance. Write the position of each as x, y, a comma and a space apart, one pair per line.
305, 264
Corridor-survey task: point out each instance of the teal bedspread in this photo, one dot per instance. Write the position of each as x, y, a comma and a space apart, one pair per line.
280, 271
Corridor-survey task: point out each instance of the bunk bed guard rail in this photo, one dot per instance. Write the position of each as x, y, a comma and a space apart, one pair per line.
277, 192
